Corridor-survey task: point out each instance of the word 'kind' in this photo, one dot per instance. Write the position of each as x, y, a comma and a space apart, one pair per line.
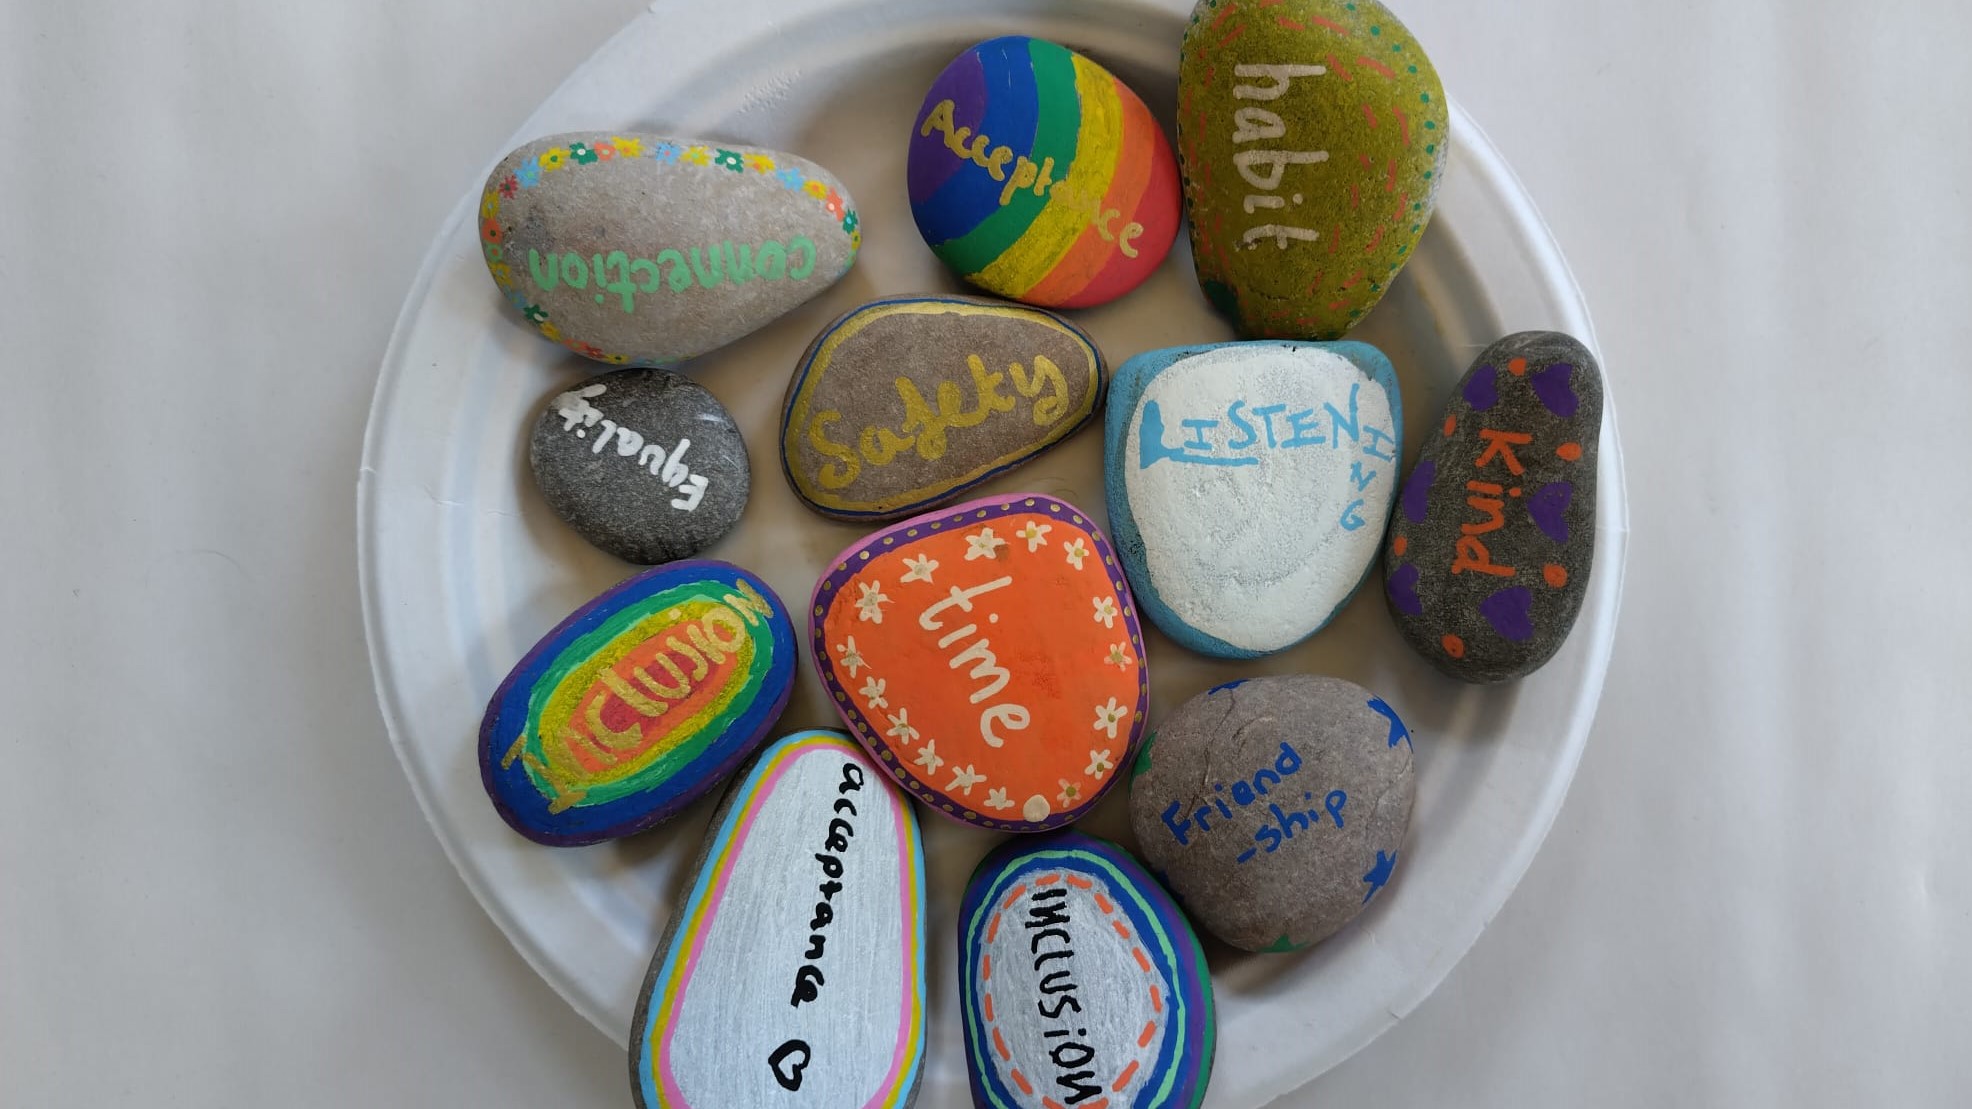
1026, 174
1470, 553
925, 425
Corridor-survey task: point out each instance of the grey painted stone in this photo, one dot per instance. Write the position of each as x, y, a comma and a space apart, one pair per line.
646, 250
1494, 537
645, 464
1275, 808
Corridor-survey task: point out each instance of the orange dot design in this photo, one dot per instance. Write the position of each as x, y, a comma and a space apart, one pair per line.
1569, 452
1399, 545
1517, 367
1451, 424
1555, 574
1453, 645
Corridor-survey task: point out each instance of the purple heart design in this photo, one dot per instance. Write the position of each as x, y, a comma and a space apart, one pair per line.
1549, 508
1511, 613
1417, 491
1402, 587
1555, 387
1482, 388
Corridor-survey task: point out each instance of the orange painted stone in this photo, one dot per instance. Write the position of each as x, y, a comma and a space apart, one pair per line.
989, 657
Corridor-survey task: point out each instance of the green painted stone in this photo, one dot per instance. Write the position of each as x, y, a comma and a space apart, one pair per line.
1312, 135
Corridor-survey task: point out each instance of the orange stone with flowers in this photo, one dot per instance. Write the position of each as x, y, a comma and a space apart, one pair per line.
989, 657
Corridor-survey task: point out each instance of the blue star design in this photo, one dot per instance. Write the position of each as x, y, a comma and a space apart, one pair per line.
1397, 729
1379, 875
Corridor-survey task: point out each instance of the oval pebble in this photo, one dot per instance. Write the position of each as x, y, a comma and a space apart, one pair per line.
1275, 808
647, 250
1037, 175
1295, 448
1313, 136
988, 655
907, 402
644, 464
1489, 556
792, 973
639, 702
1080, 982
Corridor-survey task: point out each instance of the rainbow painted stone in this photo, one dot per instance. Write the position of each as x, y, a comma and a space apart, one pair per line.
639, 702
792, 974
1037, 175
1080, 982
1490, 550
1313, 135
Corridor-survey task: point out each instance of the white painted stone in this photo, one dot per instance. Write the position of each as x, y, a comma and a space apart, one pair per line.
1260, 554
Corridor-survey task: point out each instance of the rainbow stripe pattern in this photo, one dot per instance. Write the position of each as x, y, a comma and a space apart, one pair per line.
1037, 175
638, 703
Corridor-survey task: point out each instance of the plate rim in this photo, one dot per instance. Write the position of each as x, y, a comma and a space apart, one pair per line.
1551, 269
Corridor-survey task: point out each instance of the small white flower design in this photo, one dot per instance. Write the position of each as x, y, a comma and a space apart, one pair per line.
852, 659
1069, 792
928, 757
997, 799
900, 725
1036, 535
963, 779
870, 604
1108, 716
919, 568
983, 544
873, 693
1099, 763
1076, 552
1119, 656
1105, 611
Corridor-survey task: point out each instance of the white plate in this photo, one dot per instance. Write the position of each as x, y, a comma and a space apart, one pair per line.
463, 566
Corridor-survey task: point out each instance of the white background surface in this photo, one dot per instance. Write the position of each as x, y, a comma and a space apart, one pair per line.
216, 890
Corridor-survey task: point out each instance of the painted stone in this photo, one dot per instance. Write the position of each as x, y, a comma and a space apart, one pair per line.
645, 464
639, 702
1080, 982
1275, 808
905, 403
792, 972
1490, 552
1313, 136
989, 656
1293, 446
1037, 175
646, 250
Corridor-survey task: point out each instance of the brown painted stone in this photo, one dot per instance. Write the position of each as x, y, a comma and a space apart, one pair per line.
1275, 808
905, 403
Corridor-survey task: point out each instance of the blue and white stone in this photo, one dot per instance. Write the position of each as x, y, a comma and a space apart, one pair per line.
1249, 486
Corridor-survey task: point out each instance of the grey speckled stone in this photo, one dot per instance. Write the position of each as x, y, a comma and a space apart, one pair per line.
1491, 546
645, 464
645, 250
1275, 808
